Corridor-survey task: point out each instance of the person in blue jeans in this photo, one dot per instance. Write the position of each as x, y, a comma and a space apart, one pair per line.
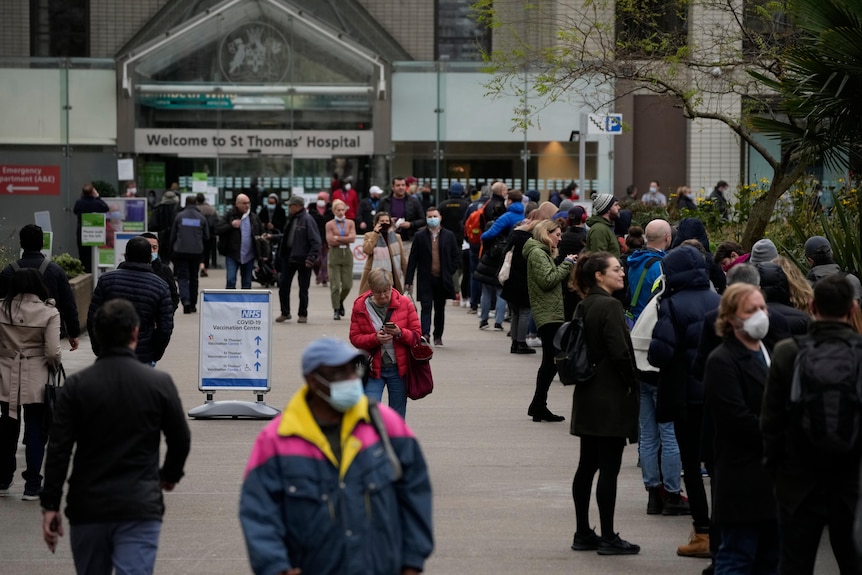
385, 325
238, 231
652, 435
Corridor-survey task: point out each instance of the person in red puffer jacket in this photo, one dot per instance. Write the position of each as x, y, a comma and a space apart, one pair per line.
385, 325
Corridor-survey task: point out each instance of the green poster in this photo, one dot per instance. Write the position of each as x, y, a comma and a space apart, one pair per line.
153, 176
106, 257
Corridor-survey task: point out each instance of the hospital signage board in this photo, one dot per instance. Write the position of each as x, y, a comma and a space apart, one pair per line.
30, 180
212, 143
235, 340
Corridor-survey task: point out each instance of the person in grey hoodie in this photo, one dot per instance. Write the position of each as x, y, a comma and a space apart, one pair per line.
818, 252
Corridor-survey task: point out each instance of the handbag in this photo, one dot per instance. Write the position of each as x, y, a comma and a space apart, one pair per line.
420, 382
506, 268
422, 351
56, 378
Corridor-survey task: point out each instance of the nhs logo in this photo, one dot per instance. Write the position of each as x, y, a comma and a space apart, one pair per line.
251, 314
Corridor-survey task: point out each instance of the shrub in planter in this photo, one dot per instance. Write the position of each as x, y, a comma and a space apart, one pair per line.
72, 266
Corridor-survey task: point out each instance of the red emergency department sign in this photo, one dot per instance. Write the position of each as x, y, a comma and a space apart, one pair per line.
30, 180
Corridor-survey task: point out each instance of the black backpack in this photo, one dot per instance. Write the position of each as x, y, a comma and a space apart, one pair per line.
826, 393
573, 360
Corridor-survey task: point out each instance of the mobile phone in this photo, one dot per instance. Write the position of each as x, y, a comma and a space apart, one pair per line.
389, 325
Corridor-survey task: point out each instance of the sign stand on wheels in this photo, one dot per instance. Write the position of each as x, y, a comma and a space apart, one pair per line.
235, 352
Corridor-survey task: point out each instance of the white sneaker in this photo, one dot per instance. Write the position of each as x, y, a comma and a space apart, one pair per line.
534, 342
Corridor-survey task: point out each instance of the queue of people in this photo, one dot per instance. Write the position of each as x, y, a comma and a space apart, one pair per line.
731, 390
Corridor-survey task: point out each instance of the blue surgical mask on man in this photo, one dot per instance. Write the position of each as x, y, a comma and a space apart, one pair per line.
155, 256
432, 222
343, 394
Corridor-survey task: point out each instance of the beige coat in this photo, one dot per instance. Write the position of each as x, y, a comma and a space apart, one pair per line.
29, 344
395, 251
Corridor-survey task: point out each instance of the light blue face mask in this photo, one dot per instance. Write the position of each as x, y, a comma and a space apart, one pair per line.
432, 222
155, 256
343, 394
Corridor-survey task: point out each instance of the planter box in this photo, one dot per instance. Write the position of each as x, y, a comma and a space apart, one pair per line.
82, 287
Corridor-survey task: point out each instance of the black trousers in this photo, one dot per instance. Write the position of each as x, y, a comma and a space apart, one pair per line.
438, 302
688, 437
800, 531
304, 280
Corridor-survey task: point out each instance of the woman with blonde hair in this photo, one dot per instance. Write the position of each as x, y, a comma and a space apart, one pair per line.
340, 233
734, 380
29, 347
384, 323
383, 248
544, 284
801, 292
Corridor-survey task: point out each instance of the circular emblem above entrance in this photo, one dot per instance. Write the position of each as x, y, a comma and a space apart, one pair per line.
254, 52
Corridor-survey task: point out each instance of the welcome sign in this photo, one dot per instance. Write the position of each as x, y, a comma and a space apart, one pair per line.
211, 143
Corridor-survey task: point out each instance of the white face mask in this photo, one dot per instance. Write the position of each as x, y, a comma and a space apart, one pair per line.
347, 187
321, 203
757, 325
653, 190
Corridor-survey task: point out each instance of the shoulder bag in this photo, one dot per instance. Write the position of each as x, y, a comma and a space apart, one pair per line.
56, 378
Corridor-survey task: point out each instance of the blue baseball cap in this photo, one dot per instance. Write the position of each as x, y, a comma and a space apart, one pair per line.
328, 351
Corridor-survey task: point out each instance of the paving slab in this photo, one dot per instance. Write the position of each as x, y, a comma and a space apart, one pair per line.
502, 483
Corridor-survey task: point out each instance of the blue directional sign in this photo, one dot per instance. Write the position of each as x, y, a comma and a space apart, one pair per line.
235, 336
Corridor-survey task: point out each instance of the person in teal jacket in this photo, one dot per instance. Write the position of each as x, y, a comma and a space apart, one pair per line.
544, 283
325, 492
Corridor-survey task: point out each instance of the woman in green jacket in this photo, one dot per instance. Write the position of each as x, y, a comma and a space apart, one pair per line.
544, 283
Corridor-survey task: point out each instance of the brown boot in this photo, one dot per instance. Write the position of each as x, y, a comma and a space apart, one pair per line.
697, 546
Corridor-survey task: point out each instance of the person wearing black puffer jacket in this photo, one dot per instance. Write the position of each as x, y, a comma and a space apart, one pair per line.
676, 335
776, 288
693, 229
135, 280
515, 290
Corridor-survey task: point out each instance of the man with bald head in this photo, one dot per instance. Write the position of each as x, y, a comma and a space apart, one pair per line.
237, 232
643, 261
657, 444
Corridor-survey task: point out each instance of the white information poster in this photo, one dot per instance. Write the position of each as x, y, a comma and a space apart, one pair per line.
126, 169
235, 340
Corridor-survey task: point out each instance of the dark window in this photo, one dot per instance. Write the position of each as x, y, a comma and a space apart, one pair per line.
459, 36
60, 28
768, 28
651, 28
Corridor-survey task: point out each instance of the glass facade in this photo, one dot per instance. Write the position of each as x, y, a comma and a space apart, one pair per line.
255, 92
446, 127
459, 36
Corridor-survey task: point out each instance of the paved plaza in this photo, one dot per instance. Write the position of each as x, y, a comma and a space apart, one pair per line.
502, 483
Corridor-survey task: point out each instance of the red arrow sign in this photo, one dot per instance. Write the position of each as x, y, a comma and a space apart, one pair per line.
31, 180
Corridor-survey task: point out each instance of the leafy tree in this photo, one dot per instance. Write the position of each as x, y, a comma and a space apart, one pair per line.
711, 58
822, 79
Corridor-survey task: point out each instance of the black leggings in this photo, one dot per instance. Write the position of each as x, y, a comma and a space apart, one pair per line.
605, 455
547, 369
